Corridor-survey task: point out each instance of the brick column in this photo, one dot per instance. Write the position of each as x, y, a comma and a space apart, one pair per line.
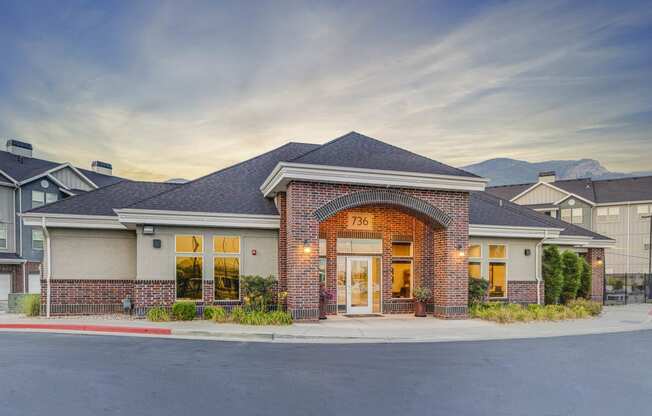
595, 257
281, 206
451, 284
302, 268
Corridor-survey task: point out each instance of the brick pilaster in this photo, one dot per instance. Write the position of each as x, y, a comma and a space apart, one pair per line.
595, 257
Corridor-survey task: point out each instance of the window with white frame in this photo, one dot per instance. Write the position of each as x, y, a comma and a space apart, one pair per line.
3, 235
189, 251
572, 215
475, 261
50, 197
37, 239
38, 198
497, 270
608, 214
643, 210
226, 267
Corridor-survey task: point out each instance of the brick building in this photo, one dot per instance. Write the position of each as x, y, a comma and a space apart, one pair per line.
369, 221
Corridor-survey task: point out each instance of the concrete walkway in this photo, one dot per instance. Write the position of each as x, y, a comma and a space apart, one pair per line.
392, 328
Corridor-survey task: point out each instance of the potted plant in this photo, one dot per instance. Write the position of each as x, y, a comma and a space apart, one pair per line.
421, 296
324, 296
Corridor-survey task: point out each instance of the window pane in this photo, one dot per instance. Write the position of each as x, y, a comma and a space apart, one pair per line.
400, 249
603, 211
37, 239
475, 250
341, 282
50, 198
402, 279
359, 245
475, 270
497, 251
189, 277
322, 269
642, 209
497, 280
226, 244
566, 215
3, 235
322, 247
38, 198
190, 244
226, 271
614, 211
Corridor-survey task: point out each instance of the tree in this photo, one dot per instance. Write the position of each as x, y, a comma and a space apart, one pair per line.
552, 276
570, 269
586, 275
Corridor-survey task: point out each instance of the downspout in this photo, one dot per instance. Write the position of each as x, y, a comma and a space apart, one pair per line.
46, 234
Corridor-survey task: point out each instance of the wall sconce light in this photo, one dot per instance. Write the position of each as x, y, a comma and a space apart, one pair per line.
528, 251
460, 250
599, 261
148, 230
306, 247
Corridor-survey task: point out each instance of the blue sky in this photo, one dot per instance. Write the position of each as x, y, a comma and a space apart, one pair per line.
180, 89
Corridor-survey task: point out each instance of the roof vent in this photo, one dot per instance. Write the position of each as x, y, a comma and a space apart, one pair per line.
102, 167
19, 148
547, 177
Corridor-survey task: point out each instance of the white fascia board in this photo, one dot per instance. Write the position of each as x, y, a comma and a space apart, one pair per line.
579, 241
67, 191
284, 172
6, 175
56, 168
197, 219
58, 182
7, 184
36, 219
12, 261
607, 204
477, 230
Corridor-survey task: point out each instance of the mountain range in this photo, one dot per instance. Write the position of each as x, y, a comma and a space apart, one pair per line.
505, 171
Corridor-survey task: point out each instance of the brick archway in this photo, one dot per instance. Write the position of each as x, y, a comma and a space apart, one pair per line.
384, 197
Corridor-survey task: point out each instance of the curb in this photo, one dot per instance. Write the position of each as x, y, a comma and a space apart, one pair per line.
91, 328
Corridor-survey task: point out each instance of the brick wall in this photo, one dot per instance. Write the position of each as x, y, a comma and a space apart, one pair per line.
148, 293
450, 270
595, 257
523, 291
79, 297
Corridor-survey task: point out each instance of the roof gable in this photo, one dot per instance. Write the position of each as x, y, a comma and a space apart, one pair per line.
540, 193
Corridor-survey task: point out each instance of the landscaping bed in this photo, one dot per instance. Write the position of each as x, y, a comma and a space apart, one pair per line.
507, 313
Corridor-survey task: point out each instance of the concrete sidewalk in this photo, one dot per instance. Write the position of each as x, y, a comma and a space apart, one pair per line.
392, 328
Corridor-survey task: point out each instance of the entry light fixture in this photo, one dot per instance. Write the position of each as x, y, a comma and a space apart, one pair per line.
148, 229
460, 250
306, 247
599, 261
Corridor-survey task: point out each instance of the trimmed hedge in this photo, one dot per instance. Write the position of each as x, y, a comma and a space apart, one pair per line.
30, 305
508, 313
158, 314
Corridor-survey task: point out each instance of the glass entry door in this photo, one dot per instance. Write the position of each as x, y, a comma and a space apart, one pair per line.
358, 285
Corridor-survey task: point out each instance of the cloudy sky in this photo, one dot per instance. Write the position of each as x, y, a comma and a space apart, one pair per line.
180, 89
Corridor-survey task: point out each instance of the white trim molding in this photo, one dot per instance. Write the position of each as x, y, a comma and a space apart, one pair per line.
12, 261
132, 217
568, 194
478, 230
285, 172
36, 219
580, 241
59, 167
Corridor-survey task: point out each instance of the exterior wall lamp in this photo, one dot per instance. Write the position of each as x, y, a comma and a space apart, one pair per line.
306, 247
599, 261
460, 250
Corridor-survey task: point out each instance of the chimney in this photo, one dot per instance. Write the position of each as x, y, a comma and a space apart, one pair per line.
547, 177
102, 167
19, 148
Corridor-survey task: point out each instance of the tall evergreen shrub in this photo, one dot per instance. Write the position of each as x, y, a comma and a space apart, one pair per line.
586, 275
552, 276
570, 269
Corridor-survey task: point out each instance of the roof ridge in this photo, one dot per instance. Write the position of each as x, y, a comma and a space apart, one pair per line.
183, 185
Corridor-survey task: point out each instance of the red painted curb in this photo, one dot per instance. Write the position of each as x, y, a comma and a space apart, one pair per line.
93, 328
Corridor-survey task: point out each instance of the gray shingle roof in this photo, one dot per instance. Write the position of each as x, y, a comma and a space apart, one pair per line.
597, 191
486, 209
235, 189
104, 200
355, 150
21, 168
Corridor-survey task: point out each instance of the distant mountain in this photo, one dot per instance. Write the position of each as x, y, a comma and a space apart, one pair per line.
504, 171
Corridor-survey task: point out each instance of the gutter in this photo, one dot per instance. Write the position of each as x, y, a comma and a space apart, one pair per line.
49, 265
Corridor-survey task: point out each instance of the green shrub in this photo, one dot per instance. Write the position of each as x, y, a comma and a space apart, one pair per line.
257, 291
209, 311
158, 314
507, 313
570, 266
279, 318
421, 294
586, 275
593, 308
30, 305
236, 314
184, 310
477, 290
553, 278
219, 315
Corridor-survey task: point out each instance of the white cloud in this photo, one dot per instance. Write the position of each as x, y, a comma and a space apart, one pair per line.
195, 90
